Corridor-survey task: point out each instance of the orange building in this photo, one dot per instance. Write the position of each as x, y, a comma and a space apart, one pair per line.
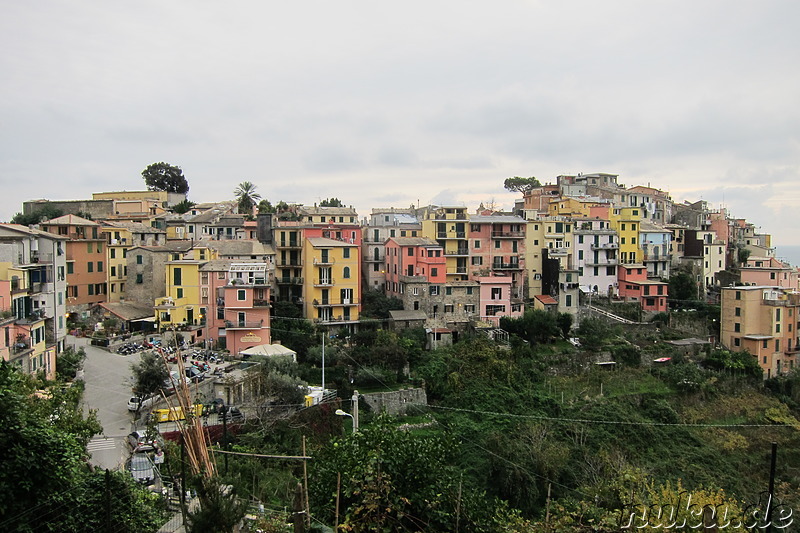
86, 260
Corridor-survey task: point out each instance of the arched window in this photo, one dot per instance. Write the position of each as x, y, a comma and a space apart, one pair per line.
346, 272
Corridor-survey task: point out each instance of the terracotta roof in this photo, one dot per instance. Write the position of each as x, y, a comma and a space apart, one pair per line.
546, 299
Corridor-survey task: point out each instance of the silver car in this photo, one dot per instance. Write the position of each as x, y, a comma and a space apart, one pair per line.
142, 468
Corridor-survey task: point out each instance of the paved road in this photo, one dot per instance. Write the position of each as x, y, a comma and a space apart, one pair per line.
108, 387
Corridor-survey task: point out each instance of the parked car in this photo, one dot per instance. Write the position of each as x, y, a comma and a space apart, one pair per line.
138, 403
194, 374
142, 468
215, 406
139, 441
174, 379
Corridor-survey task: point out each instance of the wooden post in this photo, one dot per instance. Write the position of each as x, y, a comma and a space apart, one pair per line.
298, 509
547, 509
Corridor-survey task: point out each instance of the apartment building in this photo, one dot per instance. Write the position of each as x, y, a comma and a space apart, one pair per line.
447, 225
770, 271
634, 286
145, 270
596, 248
656, 205
86, 260
656, 243
32, 297
496, 299
497, 248
331, 292
384, 223
626, 222
762, 320
239, 298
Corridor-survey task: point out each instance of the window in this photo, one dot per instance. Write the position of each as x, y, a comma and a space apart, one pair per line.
568, 300
434, 290
448, 308
737, 311
99, 266
434, 272
99, 247
415, 291
89, 267
469, 291
497, 293
176, 276
91, 290
113, 253
179, 293
346, 253
138, 259
61, 273
469, 308
497, 244
738, 295
410, 252
113, 271
633, 240
738, 342
89, 247
476, 245
241, 295
346, 272
477, 260
777, 345
139, 278
622, 240
737, 327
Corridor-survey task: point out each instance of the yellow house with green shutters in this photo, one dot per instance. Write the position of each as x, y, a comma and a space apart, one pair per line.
626, 222
447, 225
331, 292
181, 307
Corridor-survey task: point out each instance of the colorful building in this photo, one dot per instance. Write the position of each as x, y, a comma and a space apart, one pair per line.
634, 286
332, 285
762, 320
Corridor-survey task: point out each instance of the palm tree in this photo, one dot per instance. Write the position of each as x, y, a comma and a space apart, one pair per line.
247, 196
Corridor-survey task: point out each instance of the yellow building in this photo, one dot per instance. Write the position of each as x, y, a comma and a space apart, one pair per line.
331, 292
574, 207
180, 307
448, 226
626, 221
547, 238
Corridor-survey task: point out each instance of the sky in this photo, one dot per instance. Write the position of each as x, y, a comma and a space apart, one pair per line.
385, 105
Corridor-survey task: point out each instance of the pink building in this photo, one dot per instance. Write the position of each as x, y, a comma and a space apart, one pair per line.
769, 271
497, 247
495, 299
634, 286
413, 257
237, 296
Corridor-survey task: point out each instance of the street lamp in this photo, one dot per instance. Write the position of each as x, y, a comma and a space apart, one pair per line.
354, 416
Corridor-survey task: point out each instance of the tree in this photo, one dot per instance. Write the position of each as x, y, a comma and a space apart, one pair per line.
377, 305
183, 207
149, 374
165, 177
522, 185
69, 362
247, 196
331, 202
682, 286
265, 206
45, 211
564, 323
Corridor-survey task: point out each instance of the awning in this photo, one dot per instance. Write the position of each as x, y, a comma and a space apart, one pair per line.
146, 319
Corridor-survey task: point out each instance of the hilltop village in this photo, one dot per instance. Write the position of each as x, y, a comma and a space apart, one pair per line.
599, 358
215, 271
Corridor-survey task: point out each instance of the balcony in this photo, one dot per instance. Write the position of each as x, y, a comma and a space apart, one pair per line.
330, 303
457, 270
34, 257
506, 266
323, 261
260, 302
601, 262
459, 252
324, 282
288, 263
244, 324
451, 235
289, 244
339, 319
508, 234
558, 251
289, 281
373, 259
605, 246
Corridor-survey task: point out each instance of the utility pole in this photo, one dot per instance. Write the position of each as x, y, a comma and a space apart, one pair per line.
354, 399
771, 495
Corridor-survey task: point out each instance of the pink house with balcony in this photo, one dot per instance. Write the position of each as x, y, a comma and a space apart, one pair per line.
495, 299
413, 259
635, 287
237, 294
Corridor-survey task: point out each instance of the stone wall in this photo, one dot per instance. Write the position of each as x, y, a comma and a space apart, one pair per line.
395, 402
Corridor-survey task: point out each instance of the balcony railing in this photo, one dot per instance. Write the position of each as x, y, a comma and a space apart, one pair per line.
260, 302
289, 281
457, 270
332, 319
373, 259
506, 266
601, 262
558, 251
451, 235
289, 244
289, 262
508, 234
605, 246
323, 261
325, 282
330, 303
243, 324
460, 251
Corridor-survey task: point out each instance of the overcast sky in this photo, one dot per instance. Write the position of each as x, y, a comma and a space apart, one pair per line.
384, 104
